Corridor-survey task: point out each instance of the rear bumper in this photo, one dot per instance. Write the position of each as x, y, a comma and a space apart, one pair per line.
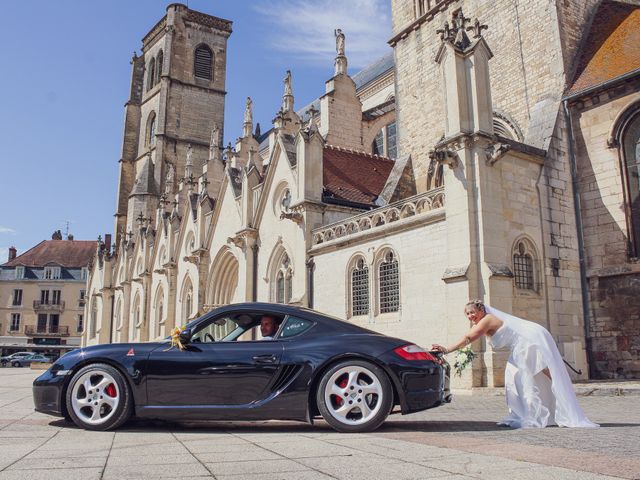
47, 393
420, 384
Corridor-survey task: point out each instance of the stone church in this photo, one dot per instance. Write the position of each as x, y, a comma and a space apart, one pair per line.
493, 154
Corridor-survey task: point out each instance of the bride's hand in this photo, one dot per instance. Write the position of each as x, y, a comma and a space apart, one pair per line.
438, 348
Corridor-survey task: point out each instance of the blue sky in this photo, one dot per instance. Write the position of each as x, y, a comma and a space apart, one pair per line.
65, 78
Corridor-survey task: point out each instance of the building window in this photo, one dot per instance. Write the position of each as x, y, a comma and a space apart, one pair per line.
55, 297
51, 273
159, 62
44, 297
80, 324
41, 326
54, 323
389, 287
524, 265
151, 74
151, 129
137, 317
203, 60
284, 280
17, 297
19, 273
83, 273
83, 293
360, 288
631, 171
15, 322
384, 143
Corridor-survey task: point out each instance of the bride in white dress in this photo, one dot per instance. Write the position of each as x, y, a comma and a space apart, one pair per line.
538, 388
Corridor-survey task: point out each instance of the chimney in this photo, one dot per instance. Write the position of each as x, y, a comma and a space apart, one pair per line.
12, 253
70, 236
57, 235
107, 242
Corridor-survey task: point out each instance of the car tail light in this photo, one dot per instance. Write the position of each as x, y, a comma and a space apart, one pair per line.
414, 352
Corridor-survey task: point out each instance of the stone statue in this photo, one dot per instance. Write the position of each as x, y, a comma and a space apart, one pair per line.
339, 41
188, 167
248, 111
287, 84
170, 178
214, 144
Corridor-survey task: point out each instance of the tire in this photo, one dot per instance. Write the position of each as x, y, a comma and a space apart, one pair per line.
98, 398
347, 387
16, 364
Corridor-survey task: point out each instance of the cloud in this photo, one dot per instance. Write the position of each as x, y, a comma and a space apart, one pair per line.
303, 30
4, 254
6, 230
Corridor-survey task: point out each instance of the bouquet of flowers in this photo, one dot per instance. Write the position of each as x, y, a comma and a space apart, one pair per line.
464, 357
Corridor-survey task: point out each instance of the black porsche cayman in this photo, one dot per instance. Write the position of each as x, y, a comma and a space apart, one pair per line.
314, 365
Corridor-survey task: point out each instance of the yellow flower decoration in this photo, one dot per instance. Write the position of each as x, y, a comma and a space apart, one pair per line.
175, 338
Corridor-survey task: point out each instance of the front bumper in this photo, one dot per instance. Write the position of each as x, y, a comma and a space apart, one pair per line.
47, 393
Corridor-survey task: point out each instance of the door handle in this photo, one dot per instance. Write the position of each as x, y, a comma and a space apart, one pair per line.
265, 359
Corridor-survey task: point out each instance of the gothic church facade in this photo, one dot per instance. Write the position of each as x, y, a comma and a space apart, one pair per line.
467, 164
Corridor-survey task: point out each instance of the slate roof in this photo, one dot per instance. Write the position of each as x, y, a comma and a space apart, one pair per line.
612, 47
65, 253
352, 177
374, 70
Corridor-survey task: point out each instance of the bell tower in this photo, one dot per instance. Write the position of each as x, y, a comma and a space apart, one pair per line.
176, 100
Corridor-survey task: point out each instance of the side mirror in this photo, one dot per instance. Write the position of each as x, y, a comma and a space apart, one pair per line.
185, 336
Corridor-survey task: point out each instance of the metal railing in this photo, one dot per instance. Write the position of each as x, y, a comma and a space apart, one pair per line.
54, 330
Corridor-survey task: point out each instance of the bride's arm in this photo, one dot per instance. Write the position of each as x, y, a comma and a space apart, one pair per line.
472, 335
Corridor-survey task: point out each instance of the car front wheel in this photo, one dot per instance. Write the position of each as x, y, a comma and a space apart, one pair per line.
98, 398
355, 396
16, 364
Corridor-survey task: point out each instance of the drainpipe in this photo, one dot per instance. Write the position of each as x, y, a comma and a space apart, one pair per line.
310, 266
578, 212
254, 287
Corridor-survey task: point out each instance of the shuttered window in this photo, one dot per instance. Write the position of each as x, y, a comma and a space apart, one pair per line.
203, 62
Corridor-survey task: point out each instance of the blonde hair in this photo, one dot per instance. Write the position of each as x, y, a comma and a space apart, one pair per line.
475, 305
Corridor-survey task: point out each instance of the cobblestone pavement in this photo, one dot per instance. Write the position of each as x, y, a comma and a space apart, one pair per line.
455, 441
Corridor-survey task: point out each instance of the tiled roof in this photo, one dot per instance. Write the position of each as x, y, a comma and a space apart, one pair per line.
354, 177
65, 253
374, 70
612, 47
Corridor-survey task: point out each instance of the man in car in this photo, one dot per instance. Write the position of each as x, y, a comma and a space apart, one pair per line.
268, 327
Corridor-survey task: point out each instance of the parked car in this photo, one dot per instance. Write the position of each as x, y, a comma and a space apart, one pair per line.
313, 365
26, 361
6, 360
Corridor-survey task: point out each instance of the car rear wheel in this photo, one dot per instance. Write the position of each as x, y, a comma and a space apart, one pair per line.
355, 396
98, 398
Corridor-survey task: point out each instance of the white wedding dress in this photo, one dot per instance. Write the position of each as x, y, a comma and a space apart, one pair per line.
533, 399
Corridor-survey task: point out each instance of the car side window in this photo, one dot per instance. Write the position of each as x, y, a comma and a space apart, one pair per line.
215, 331
294, 326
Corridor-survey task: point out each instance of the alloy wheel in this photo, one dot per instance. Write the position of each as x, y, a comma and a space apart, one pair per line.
95, 397
353, 395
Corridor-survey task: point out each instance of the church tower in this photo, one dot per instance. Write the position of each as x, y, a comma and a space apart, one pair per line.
176, 102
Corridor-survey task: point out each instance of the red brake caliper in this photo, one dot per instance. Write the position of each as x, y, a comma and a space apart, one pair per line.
342, 384
111, 390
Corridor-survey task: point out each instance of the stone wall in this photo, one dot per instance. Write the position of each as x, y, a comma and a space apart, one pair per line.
614, 277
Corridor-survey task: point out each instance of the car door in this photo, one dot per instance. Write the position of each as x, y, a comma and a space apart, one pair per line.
212, 374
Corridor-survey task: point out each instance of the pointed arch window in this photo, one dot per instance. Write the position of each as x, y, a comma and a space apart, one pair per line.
631, 179
284, 280
151, 74
203, 61
389, 283
151, 130
137, 314
384, 143
359, 280
159, 62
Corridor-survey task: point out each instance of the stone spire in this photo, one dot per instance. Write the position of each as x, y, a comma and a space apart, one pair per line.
248, 119
341, 59
287, 98
145, 183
